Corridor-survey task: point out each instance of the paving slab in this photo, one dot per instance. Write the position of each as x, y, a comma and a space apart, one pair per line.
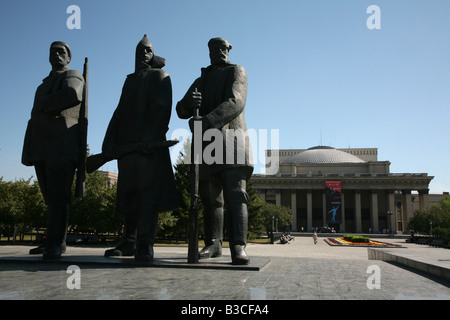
427, 259
82, 256
300, 270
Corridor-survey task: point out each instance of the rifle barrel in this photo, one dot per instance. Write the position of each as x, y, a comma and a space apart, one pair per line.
193, 255
82, 120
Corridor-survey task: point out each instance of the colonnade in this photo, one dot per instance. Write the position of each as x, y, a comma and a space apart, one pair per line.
362, 210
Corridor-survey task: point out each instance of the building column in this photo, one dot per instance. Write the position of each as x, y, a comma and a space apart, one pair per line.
374, 210
309, 210
294, 209
423, 199
342, 228
392, 214
262, 194
324, 208
407, 208
278, 197
358, 211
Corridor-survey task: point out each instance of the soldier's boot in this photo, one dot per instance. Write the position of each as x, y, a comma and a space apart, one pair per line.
146, 234
55, 244
238, 226
40, 249
213, 234
127, 247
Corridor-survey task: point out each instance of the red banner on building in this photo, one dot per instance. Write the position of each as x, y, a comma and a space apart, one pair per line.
334, 195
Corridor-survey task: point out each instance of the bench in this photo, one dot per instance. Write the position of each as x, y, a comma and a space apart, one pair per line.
437, 243
422, 240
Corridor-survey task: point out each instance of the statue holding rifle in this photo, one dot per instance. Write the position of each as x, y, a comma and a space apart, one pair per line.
136, 137
219, 95
55, 143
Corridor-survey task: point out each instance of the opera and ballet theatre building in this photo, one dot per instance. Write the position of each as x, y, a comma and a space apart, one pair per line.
347, 189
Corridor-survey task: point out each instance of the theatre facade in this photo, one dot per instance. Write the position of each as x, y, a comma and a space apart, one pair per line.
347, 189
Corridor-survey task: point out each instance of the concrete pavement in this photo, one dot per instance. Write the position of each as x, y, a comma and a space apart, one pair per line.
300, 270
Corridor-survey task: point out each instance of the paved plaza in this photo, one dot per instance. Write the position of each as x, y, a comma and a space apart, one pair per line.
300, 270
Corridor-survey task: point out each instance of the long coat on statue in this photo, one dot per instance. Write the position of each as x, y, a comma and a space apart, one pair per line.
224, 94
146, 182
53, 132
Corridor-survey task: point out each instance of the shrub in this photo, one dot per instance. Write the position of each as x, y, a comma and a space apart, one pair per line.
441, 232
352, 238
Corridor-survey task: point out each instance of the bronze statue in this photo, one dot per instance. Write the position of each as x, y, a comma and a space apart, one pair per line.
220, 93
136, 137
54, 141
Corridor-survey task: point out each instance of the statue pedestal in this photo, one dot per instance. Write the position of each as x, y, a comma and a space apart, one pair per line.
163, 259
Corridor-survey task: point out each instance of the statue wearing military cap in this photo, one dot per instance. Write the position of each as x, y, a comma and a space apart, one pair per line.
52, 143
220, 93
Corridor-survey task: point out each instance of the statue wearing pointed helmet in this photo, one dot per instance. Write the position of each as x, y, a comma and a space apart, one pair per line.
146, 184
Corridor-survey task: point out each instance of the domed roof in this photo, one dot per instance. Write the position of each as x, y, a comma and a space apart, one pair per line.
323, 155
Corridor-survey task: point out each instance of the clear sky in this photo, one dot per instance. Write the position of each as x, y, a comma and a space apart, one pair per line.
316, 72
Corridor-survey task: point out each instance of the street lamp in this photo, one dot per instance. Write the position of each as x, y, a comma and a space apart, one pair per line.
272, 231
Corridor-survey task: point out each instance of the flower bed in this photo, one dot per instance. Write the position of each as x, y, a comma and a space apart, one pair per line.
370, 243
356, 239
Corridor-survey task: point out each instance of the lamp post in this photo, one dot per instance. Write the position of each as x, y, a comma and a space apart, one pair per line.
272, 232
273, 223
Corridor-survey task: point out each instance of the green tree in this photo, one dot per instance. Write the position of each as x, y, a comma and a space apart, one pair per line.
22, 207
6, 216
96, 211
183, 186
183, 181
33, 206
255, 204
437, 217
167, 222
273, 216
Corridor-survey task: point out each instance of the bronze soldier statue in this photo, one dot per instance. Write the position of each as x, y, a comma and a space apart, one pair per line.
53, 143
220, 93
146, 184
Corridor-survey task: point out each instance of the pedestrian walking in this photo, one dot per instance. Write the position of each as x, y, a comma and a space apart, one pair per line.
315, 237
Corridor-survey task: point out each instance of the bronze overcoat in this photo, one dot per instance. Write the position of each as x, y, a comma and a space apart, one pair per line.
224, 95
53, 132
146, 182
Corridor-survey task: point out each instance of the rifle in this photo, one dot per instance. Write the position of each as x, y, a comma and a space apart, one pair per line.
97, 160
193, 215
83, 123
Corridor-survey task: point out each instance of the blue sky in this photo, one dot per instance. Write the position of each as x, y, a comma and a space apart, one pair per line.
316, 73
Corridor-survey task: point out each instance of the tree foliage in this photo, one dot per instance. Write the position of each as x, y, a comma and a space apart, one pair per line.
183, 181
435, 219
96, 211
22, 208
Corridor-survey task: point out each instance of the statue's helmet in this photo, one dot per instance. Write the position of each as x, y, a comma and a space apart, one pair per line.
144, 43
155, 61
61, 43
215, 41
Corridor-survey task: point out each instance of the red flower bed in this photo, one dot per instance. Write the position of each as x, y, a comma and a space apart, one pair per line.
341, 242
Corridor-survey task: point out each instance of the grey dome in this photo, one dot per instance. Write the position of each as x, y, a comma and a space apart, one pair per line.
323, 155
